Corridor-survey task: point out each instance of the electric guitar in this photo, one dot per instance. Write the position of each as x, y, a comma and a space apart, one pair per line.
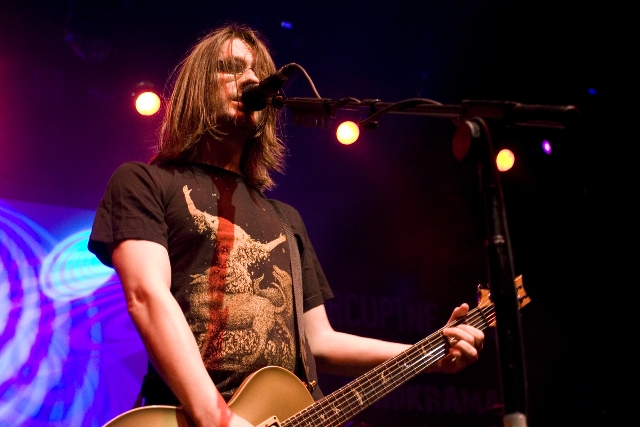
274, 397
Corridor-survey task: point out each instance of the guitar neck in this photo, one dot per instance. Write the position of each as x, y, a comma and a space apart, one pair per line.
346, 402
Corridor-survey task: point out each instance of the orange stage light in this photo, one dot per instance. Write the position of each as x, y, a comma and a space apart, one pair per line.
348, 132
505, 160
147, 103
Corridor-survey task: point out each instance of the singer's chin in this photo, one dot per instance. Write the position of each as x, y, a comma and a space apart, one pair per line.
244, 122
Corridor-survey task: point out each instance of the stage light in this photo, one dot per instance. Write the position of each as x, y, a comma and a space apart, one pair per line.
505, 160
348, 132
546, 147
287, 25
147, 103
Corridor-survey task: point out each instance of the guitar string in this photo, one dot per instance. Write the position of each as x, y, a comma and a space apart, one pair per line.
471, 318
433, 356
418, 367
396, 371
340, 416
347, 398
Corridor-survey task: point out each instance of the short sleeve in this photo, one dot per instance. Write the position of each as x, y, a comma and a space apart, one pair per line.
131, 208
315, 286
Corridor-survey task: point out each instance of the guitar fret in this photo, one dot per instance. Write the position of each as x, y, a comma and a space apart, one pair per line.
354, 398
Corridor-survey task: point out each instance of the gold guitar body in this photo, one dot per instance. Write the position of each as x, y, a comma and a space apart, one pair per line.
268, 392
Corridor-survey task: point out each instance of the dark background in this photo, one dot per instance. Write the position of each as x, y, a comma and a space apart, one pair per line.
394, 215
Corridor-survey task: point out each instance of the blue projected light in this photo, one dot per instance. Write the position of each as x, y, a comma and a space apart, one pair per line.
286, 24
69, 353
70, 271
25, 373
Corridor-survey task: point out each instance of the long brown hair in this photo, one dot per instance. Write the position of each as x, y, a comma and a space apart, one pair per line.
191, 110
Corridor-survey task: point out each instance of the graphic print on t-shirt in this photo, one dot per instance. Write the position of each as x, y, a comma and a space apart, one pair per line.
239, 323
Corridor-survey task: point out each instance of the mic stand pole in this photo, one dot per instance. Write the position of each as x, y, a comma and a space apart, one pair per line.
500, 267
472, 137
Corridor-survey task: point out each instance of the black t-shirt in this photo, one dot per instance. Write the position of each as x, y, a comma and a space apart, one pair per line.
230, 264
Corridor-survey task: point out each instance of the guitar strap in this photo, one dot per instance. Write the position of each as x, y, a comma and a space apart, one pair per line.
296, 273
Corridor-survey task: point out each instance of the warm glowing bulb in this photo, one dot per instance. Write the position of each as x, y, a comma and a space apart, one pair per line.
348, 132
505, 160
147, 103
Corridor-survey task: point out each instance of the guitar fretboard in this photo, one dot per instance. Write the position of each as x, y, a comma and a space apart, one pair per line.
346, 402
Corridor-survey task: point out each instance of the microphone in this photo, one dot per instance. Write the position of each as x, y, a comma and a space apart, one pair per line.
255, 96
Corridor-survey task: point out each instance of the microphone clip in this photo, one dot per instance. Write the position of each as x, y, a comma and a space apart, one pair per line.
256, 97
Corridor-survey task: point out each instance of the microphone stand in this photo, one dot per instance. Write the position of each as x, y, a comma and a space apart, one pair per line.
472, 139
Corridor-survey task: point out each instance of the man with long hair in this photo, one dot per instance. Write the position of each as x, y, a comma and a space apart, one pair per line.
202, 254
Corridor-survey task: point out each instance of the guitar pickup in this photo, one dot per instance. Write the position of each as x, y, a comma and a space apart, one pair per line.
270, 422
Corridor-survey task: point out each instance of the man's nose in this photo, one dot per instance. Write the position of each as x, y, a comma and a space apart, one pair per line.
249, 77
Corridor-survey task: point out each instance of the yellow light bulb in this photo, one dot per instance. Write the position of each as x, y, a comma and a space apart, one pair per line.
505, 160
147, 103
348, 132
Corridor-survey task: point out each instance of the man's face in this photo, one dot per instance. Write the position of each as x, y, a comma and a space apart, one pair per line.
234, 74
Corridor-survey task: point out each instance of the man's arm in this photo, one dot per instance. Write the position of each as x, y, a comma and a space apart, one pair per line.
352, 355
145, 273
